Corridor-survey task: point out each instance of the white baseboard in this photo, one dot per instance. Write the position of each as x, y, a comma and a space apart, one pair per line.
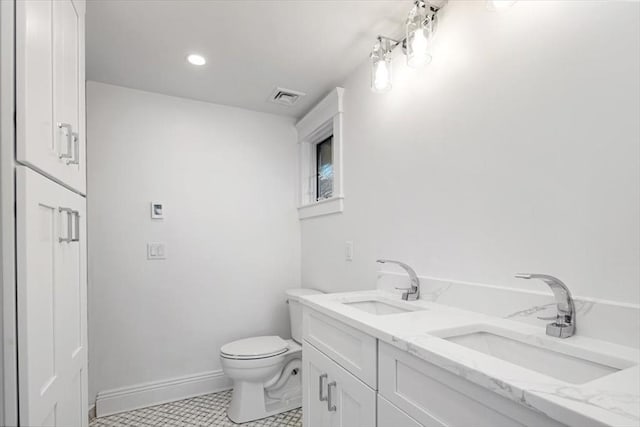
154, 393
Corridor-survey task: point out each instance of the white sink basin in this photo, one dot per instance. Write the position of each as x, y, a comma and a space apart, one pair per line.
556, 362
379, 308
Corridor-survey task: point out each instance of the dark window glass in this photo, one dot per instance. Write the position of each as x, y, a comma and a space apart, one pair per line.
324, 169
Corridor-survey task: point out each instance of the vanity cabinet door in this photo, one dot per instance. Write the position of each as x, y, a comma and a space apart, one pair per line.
436, 397
314, 383
338, 399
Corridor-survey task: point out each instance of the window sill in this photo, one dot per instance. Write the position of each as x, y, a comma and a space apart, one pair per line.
322, 207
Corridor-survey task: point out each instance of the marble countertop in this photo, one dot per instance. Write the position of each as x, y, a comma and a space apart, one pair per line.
612, 400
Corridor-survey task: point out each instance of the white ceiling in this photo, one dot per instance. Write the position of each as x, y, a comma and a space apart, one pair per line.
251, 46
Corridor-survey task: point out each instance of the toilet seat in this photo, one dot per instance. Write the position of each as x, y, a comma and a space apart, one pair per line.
254, 348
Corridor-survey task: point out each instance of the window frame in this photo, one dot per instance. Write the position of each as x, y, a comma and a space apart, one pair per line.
322, 122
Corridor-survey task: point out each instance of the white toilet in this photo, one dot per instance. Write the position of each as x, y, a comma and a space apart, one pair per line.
266, 370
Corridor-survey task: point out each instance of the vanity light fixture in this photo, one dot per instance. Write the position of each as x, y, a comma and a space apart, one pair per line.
196, 59
420, 26
498, 5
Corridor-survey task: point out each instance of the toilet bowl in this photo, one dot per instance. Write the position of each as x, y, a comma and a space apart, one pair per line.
266, 370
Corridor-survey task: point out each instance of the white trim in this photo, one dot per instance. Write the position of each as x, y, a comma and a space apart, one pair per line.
321, 207
154, 393
324, 111
8, 327
323, 120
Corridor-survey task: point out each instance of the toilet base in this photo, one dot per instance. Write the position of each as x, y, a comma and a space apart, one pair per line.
250, 401
265, 387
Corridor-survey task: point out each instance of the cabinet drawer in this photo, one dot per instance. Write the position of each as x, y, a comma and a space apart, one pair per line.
435, 397
352, 349
390, 416
332, 396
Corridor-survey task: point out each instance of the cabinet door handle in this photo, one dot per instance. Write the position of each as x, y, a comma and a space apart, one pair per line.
76, 235
75, 158
69, 135
330, 406
69, 237
321, 379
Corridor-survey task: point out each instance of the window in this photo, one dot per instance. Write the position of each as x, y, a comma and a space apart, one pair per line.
324, 169
320, 186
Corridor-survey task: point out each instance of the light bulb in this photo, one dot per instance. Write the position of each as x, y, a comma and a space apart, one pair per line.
418, 33
419, 55
381, 80
381, 66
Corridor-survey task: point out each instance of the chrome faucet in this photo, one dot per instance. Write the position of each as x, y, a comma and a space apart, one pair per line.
412, 293
565, 320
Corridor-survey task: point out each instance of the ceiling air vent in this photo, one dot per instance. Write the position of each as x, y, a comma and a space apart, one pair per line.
286, 97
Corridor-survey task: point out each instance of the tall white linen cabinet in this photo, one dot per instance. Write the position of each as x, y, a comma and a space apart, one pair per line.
49, 176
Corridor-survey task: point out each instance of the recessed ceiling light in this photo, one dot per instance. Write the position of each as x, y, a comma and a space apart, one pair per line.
196, 59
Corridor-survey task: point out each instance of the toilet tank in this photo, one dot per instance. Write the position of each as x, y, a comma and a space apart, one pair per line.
295, 310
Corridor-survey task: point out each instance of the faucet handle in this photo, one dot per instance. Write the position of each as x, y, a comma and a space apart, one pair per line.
548, 317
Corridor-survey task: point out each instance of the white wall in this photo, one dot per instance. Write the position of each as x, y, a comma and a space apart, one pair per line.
227, 179
516, 150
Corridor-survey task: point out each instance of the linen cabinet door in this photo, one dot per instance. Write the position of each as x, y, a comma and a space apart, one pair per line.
68, 89
50, 89
52, 356
73, 300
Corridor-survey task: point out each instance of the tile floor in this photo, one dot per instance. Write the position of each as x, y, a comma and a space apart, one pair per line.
208, 410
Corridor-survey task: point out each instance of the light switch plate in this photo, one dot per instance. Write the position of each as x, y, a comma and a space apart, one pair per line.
156, 251
348, 250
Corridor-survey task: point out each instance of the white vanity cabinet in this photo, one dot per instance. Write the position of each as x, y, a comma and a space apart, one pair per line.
351, 379
339, 373
332, 396
50, 89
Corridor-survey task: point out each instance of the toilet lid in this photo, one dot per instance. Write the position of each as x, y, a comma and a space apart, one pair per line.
254, 348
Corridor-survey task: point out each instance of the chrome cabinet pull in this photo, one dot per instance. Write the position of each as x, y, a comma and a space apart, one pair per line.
69, 237
75, 158
76, 235
330, 406
321, 379
69, 135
